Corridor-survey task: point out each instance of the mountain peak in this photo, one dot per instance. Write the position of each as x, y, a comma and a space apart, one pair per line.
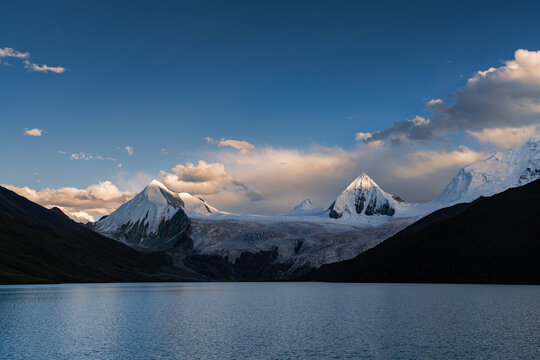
362, 182
363, 196
304, 205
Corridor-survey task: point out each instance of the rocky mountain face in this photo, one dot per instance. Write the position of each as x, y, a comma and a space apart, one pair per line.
363, 197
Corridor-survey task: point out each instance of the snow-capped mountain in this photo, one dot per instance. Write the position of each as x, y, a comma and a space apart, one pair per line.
499, 172
194, 206
306, 208
153, 217
363, 197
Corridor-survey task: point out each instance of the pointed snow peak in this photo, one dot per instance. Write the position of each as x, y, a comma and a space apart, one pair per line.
156, 192
362, 182
304, 205
363, 197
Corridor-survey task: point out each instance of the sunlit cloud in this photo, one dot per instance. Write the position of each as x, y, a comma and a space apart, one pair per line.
43, 68
80, 204
33, 132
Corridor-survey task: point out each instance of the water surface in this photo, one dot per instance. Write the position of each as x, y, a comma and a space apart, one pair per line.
269, 321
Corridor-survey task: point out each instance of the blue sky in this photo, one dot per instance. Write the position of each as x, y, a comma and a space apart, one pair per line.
284, 75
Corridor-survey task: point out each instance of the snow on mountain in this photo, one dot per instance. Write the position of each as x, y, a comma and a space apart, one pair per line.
139, 221
194, 206
499, 172
306, 208
363, 197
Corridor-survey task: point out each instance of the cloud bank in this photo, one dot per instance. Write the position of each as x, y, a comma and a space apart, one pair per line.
79, 204
498, 98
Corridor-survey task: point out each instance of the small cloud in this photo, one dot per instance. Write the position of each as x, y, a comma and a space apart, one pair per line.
119, 165
10, 52
33, 132
43, 68
243, 147
362, 136
129, 150
85, 156
209, 140
164, 151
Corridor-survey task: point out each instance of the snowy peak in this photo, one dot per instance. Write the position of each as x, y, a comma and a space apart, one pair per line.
362, 182
363, 197
304, 205
306, 208
499, 172
140, 219
158, 193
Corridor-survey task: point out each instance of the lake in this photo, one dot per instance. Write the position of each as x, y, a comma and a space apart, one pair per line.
269, 321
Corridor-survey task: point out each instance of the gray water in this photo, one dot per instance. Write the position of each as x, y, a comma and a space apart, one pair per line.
269, 321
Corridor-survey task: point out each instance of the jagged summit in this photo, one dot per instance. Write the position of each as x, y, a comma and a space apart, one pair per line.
363, 197
500, 171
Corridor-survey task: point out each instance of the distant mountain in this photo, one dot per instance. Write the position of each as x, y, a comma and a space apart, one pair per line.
492, 240
500, 171
196, 206
306, 208
38, 245
154, 219
363, 197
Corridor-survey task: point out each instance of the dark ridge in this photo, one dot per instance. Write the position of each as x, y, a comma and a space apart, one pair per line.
38, 245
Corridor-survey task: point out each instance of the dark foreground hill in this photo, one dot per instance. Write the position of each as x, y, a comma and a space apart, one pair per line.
492, 240
38, 245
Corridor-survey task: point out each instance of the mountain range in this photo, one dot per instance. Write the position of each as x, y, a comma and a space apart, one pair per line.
194, 240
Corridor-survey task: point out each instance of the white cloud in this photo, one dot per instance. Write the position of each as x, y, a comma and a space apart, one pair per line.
10, 52
43, 68
362, 136
422, 163
164, 151
85, 156
243, 147
204, 179
129, 150
33, 132
96, 200
506, 137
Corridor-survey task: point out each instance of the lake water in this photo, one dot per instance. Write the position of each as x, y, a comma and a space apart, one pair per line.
269, 321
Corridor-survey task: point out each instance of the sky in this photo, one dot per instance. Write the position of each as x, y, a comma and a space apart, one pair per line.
258, 105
